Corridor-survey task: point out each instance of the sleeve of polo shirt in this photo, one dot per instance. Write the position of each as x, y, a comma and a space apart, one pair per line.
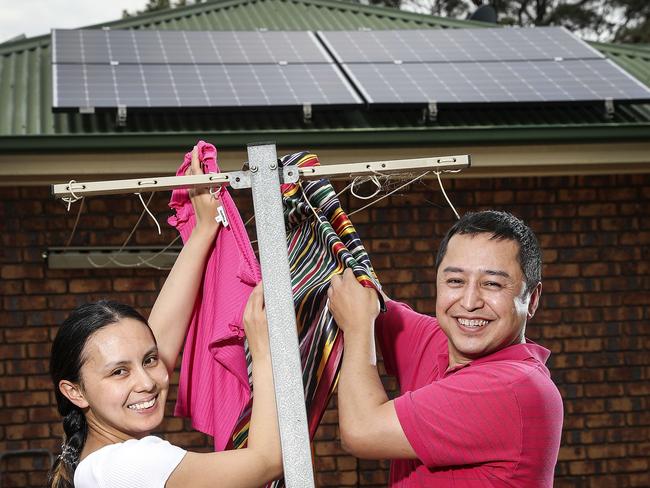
403, 336
469, 417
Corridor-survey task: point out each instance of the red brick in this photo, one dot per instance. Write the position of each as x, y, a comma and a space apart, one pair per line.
11, 287
31, 334
27, 399
14, 271
45, 286
628, 464
25, 303
28, 431
12, 383
89, 286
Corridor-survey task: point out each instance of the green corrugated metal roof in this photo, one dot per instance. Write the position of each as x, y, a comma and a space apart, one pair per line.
27, 121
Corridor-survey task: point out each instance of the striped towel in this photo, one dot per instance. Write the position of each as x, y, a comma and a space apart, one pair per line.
322, 242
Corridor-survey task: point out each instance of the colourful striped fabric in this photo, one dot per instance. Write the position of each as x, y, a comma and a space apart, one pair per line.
322, 242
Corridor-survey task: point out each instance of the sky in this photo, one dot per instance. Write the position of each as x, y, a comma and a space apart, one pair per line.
36, 17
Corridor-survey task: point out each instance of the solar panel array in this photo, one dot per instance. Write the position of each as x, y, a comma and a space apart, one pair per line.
244, 69
181, 69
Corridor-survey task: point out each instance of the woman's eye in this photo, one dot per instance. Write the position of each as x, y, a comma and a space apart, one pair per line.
119, 372
151, 360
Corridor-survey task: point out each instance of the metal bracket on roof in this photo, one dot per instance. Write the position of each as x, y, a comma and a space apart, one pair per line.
86, 110
306, 113
609, 108
120, 118
431, 112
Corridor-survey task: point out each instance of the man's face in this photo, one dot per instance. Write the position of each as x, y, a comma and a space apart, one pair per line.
481, 302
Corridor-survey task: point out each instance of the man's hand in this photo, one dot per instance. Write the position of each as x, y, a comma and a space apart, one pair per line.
352, 305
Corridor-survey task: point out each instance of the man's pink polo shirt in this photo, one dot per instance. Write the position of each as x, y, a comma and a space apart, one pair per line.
495, 422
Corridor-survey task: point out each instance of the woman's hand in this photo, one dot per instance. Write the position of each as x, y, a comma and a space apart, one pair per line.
205, 205
353, 305
255, 323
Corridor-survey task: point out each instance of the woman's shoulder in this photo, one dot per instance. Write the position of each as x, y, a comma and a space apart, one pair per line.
145, 462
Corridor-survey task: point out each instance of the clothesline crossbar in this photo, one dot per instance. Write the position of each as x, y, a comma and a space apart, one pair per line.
241, 179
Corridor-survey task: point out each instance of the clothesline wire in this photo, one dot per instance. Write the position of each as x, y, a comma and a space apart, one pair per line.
76, 222
350, 186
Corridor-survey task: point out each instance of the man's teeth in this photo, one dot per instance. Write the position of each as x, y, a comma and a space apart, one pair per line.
143, 405
472, 323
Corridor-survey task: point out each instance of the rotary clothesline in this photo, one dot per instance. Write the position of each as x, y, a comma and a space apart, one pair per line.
264, 177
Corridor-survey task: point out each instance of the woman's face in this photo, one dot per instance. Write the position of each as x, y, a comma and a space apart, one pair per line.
123, 381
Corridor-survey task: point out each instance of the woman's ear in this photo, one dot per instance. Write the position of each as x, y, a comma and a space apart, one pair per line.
73, 392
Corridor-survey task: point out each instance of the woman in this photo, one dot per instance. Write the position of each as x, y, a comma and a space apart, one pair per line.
111, 371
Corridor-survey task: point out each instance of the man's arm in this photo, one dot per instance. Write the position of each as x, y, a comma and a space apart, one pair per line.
368, 422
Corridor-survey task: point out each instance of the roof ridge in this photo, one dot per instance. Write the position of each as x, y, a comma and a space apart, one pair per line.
210, 5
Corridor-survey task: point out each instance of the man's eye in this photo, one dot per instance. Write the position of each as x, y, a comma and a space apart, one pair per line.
454, 281
493, 284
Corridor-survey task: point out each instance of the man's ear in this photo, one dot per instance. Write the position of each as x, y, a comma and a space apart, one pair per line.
533, 303
73, 392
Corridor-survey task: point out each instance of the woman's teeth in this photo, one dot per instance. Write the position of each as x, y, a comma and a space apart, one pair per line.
143, 405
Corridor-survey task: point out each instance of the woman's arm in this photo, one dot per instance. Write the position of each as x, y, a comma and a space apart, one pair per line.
261, 461
170, 315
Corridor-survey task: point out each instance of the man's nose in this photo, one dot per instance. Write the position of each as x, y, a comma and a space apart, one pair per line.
472, 298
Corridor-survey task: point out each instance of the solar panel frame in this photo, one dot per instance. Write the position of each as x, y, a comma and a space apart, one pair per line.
89, 46
456, 45
202, 86
502, 82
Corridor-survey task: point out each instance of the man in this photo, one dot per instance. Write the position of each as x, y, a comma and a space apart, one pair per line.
477, 405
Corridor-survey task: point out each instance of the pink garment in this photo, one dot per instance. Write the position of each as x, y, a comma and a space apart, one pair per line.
214, 346
495, 422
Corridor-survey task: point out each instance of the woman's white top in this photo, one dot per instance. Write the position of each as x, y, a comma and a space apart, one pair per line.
143, 463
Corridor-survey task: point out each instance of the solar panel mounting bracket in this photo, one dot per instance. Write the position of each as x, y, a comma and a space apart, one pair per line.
120, 116
306, 113
609, 108
431, 112
86, 110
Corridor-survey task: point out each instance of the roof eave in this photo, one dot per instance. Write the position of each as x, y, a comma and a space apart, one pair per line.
315, 138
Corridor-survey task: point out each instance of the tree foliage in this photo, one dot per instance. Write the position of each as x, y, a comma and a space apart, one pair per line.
625, 21
154, 5
605, 20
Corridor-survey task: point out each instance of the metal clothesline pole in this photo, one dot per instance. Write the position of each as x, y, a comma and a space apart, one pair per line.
278, 297
264, 178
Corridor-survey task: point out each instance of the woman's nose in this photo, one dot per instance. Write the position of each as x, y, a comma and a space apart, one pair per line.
144, 380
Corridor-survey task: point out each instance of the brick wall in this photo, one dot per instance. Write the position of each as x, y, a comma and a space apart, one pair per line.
594, 315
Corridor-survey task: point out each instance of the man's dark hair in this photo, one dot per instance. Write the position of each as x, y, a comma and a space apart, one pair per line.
502, 225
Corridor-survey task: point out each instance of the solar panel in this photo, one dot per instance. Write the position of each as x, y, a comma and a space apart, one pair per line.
456, 45
196, 86
188, 69
185, 47
496, 82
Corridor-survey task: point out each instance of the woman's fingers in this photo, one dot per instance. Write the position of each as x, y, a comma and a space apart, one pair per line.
196, 164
